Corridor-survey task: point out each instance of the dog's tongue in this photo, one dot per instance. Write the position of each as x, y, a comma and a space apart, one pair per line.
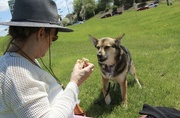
109, 68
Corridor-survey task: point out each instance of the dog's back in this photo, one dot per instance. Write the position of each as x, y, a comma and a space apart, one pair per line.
128, 56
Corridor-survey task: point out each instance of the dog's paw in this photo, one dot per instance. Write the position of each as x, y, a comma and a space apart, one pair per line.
108, 99
124, 105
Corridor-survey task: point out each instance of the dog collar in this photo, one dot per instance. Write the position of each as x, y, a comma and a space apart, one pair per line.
109, 68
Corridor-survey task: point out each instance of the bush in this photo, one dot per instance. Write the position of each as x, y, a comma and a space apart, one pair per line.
65, 21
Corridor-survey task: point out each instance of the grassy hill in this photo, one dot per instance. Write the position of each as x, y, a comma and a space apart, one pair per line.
152, 36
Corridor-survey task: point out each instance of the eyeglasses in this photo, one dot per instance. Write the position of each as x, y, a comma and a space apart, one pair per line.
54, 38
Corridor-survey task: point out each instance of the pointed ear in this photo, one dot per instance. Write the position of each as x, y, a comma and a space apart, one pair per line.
118, 39
94, 40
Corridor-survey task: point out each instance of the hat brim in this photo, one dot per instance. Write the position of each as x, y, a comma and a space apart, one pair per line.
35, 24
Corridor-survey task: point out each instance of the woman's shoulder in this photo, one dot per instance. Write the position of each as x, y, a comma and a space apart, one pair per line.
18, 65
16, 61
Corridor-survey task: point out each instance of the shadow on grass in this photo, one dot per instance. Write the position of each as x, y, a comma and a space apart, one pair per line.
99, 108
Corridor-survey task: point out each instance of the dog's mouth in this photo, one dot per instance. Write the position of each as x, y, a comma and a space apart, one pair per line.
102, 59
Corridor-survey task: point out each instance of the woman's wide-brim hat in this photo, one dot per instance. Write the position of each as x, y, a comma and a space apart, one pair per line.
36, 13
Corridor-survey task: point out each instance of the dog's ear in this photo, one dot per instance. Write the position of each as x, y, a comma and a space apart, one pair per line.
118, 39
94, 40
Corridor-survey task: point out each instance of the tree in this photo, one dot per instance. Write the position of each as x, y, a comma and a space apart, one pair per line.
104, 5
117, 3
83, 13
90, 7
84, 8
77, 4
65, 21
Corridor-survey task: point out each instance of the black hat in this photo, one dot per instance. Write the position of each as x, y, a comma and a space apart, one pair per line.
36, 13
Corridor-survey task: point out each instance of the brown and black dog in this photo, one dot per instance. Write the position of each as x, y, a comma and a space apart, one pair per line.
115, 62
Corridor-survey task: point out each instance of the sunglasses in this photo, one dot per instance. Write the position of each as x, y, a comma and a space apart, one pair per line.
54, 38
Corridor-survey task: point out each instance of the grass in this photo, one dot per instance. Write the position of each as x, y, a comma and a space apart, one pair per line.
152, 36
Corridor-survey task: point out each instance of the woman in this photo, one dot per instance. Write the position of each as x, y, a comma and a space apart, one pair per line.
26, 90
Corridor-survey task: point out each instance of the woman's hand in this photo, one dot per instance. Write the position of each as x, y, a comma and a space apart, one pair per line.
81, 72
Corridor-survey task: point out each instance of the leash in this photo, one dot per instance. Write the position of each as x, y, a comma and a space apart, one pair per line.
107, 92
109, 70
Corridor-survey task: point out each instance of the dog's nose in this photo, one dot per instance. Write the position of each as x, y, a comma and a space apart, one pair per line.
99, 55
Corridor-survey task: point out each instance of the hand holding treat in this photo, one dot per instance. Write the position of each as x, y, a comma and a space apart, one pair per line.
83, 63
81, 71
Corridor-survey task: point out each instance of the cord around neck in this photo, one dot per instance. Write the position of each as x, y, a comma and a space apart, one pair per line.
25, 55
32, 61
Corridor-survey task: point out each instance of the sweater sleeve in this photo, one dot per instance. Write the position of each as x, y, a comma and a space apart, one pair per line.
64, 106
29, 97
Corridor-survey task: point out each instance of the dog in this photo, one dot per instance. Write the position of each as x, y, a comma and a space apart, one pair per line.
115, 62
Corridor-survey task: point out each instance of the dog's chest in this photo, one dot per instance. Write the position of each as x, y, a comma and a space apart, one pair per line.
108, 71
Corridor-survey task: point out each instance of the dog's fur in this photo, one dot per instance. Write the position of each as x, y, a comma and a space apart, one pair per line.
115, 62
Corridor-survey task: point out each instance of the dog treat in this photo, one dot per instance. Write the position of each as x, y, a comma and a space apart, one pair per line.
83, 62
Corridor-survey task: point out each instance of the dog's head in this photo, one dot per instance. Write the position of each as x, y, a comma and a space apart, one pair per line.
107, 48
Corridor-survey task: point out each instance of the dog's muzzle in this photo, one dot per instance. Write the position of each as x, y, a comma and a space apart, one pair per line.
101, 58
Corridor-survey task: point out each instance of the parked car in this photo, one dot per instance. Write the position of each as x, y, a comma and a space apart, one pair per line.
79, 22
142, 8
152, 5
148, 6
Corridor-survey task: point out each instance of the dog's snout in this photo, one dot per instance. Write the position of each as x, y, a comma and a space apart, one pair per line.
99, 55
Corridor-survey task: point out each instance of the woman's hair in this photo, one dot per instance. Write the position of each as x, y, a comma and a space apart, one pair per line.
21, 34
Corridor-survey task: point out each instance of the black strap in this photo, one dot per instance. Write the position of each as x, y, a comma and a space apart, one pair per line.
107, 92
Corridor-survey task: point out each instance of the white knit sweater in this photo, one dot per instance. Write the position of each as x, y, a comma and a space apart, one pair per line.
26, 91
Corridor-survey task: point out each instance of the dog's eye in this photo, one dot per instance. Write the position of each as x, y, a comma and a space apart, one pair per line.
97, 47
106, 47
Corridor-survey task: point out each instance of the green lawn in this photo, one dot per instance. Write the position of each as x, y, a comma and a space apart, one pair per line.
152, 36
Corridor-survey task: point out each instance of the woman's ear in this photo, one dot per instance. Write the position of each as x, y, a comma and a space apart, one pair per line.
41, 34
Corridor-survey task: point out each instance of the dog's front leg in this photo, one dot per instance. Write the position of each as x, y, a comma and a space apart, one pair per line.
123, 85
105, 90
